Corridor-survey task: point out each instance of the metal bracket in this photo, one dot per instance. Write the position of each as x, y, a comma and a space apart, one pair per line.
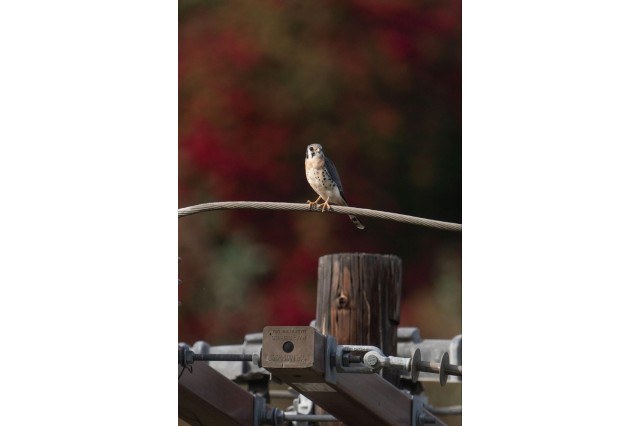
259, 410
330, 373
343, 364
420, 415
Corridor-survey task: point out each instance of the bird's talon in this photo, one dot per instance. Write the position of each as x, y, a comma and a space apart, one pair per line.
312, 204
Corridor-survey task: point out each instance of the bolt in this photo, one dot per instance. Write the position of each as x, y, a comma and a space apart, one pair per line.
287, 346
371, 359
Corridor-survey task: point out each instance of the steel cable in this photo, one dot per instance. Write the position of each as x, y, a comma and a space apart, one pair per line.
263, 205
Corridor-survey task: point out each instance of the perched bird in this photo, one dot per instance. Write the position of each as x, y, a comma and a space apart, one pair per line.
323, 178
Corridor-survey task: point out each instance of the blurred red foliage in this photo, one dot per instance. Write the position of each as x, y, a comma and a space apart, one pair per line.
378, 84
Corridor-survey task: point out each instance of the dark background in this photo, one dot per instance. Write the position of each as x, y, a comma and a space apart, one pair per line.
378, 84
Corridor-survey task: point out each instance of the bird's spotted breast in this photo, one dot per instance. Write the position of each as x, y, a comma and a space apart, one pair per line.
321, 182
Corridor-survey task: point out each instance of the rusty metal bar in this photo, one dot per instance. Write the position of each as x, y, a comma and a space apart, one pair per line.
302, 358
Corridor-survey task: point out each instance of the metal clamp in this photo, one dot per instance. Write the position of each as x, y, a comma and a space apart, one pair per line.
345, 355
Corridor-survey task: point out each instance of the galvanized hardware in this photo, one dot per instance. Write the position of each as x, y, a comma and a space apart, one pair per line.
261, 412
444, 369
408, 341
345, 355
447, 410
187, 357
277, 417
305, 369
331, 348
302, 405
314, 366
420, 415
444, 363
293, 417
374, 360
414, 363
354, 359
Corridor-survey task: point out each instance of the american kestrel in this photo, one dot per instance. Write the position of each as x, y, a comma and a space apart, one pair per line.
323, 178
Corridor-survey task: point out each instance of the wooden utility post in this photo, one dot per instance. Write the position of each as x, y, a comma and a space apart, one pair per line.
358, 301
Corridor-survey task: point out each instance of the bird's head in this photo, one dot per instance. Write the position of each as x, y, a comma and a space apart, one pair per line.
314, 151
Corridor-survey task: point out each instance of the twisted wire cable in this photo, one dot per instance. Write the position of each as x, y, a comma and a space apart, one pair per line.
263, 205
